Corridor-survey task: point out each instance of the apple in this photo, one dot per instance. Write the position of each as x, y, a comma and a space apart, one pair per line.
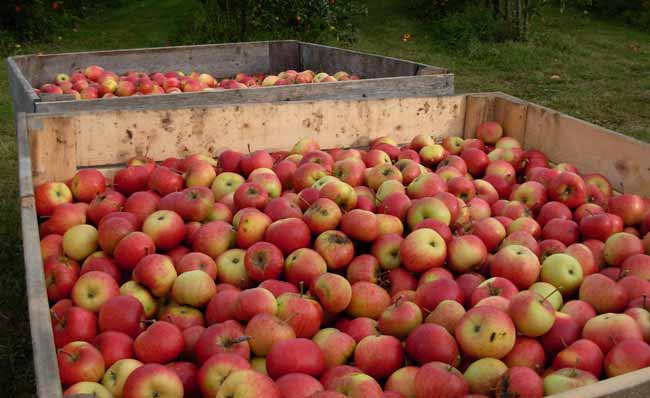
363, 268
122, 314
149, 304
581, 311
486, 332
379, 356
153, 380
194, 288
549, 291
489, 132
302, 313
360, 225
495, 286
566, 231
213, 238
531, 313
117, 374
79, 361
466, 253
562, 271
156, 272
93, 289
182, 316
298, 385
264, 330
423, 249
386, 248
132, 248
215, 370
90, 388
333, 291
520, 381
298, 355
251, 302
336, 249
429, 295
279, 208
620, 246
224, 337
356, 385
349, 171
426, 185
607, 329
437, 379
527, 352
231, 268
402, 382
582, 354
564, 331
419, 348
368, 300
400, 319
567, 379
288, 235
631, 208
221, 306
337, 347
482, 375
72, 324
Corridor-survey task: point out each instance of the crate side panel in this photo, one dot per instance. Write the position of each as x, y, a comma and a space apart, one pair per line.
22, 95
53, 148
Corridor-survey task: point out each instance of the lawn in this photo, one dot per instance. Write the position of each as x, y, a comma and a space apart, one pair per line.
595, 70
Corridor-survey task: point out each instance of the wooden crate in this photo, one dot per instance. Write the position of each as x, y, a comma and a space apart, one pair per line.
382, 77
54, 146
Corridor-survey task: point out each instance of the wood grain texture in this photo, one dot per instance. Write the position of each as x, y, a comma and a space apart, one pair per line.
511, 113
44, 352
428, 86
284, 55
480, 108
22, 94
592, 149
53, 148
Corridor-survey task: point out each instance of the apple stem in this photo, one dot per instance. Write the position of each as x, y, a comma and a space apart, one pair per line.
148, 321
248, 145
557, 289
239, 339
55, 316
301, 286
62, 351
563, 342
644, 301
176, 171
622, 274
304, 201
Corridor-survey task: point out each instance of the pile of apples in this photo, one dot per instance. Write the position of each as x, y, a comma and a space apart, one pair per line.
447, 269
96, 82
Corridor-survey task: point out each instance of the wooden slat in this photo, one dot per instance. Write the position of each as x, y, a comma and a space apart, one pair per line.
53, 148
623, 160
511, 113
630, 385
284, 55
480, 108
22, 94
428, 86
44, 353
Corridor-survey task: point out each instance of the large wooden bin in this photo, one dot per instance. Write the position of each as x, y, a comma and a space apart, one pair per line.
53, 146
382, 77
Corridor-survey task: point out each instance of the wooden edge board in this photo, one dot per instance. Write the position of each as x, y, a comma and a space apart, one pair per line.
44, 351
23, 96
635, 384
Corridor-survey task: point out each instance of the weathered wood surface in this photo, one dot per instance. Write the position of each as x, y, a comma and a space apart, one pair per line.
22, 94
44, 353
630, 385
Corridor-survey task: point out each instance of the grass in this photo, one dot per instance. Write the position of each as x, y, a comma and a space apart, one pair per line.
585, 67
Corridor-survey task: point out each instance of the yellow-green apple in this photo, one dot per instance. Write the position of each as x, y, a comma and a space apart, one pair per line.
302, 313
49, 195
61, 274
87, 388
182, 316
298, 355
213, 238
550, 292
490, 231
368, 300
418, 346
567, 379
279, 208
388, 187
79, 361
429, 295
582, 354
333, 292
306, 175
288, 235
482, 375
322, 215
231, 268
93, 289
71, 323
356, 385
117, 374
562, 271
264, 330
305, 145
580, 310
421, 140
426, 185
216, 369
452, 144
423, 249
386, 248
495, 286
585, 257
337, 347
248, 384
607, 329
519, 381
193, 288
466, 253
486, 332
600, 226
379, 356
389, 224
363, 268
340, 193
566, 231
400, 319
336, 249
427, 208
251, 302
631, 208
222, 306
618, 247
303, 266
224, 337
225, 183
321, 182
603, 294
531, 313
516, 263
153, 380
446, 314
627, 356
298, 385
402, 382
149, 304
527, 352
156, 272
80, 241
489, 132
122, 314
438, 379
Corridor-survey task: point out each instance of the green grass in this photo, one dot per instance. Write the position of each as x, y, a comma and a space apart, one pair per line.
601, 79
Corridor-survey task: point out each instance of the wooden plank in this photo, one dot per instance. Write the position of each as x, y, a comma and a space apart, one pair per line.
53, 148
511, 113
44, 352
109, 138
428, 86
480, 108
592, 149
284, 55
22, 94
630, 385
221, 60
369, 66
47, 97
